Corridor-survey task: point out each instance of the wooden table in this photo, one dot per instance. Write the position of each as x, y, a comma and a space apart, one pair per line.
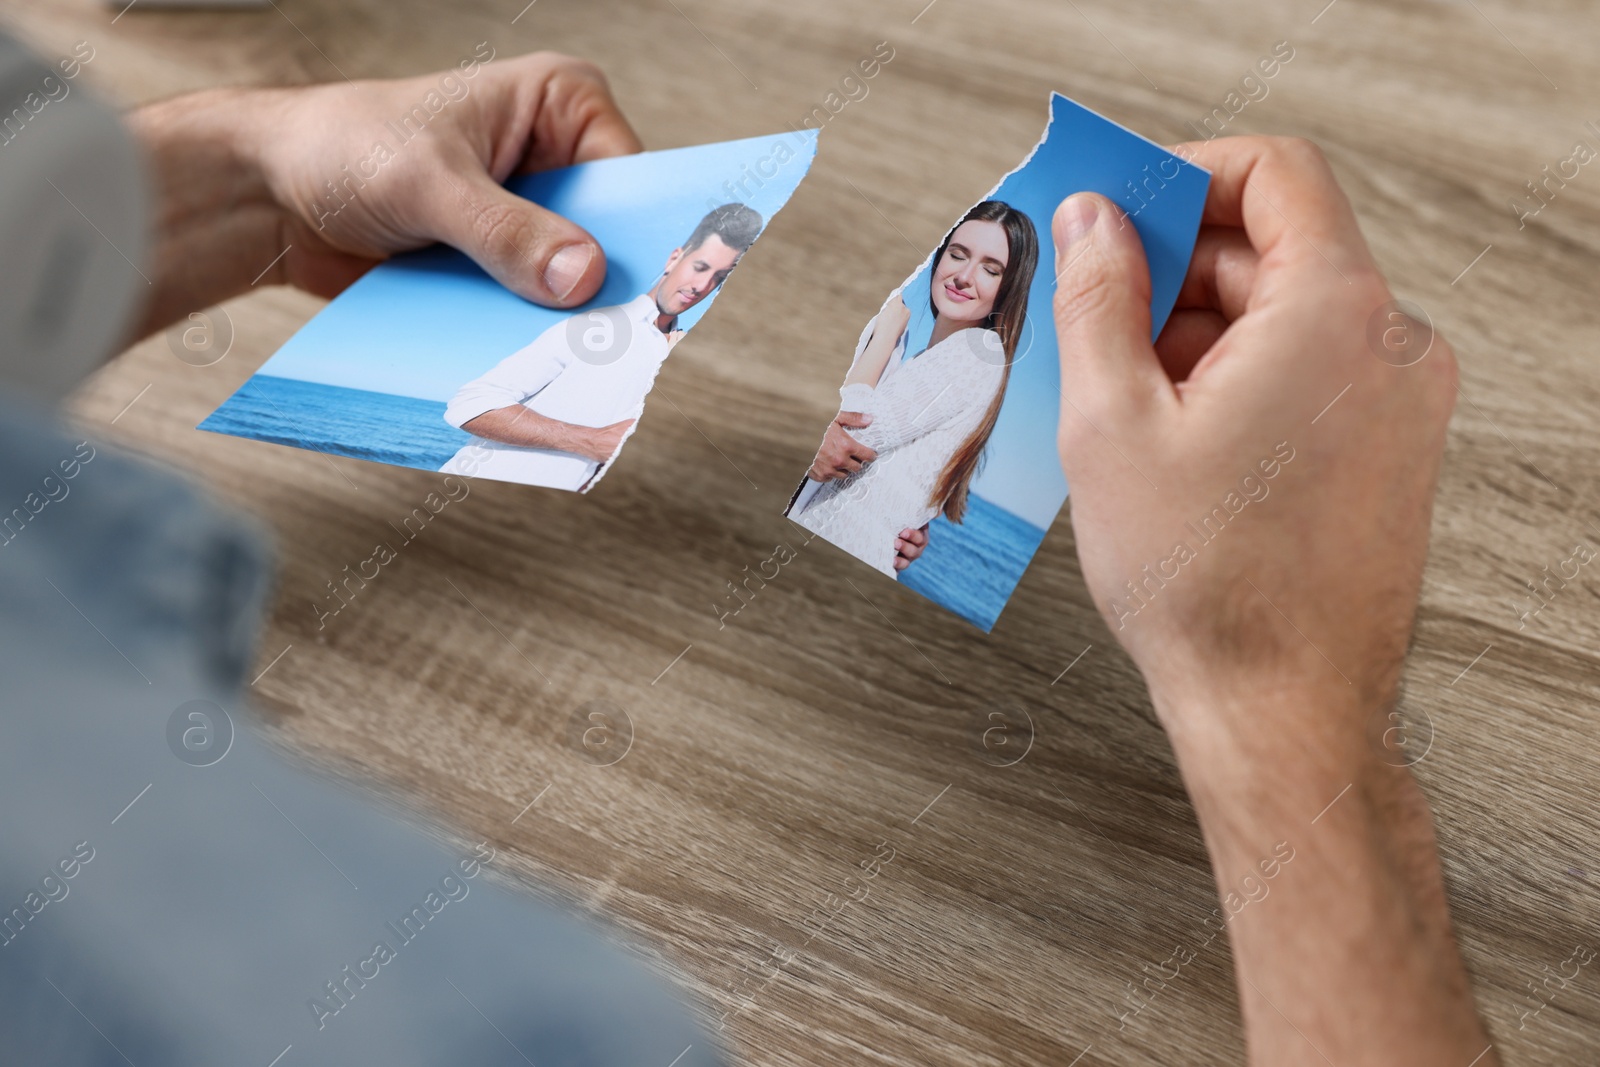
828, 732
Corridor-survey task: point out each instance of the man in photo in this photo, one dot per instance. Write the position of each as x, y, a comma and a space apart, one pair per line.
555, 412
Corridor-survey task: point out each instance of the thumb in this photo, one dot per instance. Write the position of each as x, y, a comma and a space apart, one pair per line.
535, 253
1102, 309
853, 420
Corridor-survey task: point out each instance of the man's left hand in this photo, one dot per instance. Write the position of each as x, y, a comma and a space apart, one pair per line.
333, 178
530, 113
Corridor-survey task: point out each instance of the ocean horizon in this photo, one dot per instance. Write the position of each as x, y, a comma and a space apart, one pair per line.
357, 423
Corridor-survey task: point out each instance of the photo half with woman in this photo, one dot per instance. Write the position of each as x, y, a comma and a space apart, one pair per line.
940, 469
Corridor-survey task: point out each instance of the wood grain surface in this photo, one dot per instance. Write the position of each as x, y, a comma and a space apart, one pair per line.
835, 727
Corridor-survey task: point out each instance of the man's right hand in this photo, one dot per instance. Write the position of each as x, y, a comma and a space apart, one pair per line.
1251, 497
1268, 355
842, 455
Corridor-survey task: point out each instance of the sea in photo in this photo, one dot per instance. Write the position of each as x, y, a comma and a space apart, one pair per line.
340, 421
971, 567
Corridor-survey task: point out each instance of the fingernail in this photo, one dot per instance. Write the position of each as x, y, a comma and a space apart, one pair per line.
566, 269
1075, 219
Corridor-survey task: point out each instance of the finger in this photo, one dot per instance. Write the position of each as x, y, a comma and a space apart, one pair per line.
862, 454
1186, 338
1222, 272
901, 563
1102, 310
577, 120
853, 420
535, 253
604, 131
325, 273
1284, 194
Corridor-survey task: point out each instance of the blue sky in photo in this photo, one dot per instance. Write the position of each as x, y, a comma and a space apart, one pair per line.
422, 324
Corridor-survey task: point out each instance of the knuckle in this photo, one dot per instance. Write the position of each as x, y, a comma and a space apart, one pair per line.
1299, 152
1444, 372
564, 62
1067, 444
1096, 406
491, 224
586, 69
1073, 432
573, 72
434, 160
1081, 297
549, 59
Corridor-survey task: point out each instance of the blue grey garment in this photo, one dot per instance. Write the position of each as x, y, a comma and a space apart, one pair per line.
171, 895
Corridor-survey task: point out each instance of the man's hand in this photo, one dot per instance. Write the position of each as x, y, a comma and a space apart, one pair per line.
909, 546
243, 175
1271, 328
842, 455
1251, 497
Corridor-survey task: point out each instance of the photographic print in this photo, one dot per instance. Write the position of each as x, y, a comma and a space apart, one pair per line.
947, 415
428, 362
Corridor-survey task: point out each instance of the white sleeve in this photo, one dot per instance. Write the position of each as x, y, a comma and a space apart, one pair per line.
514, 379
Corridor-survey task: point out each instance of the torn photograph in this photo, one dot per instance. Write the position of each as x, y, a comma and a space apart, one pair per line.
428, 362
947, 416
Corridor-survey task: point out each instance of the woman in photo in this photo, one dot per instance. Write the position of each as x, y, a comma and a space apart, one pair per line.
932, 412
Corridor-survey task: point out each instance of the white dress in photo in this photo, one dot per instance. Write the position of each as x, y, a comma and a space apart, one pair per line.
922, 410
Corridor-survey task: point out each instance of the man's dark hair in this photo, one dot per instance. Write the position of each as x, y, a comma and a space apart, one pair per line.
737, 226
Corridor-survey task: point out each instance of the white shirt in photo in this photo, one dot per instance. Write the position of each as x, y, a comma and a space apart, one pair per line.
550, 378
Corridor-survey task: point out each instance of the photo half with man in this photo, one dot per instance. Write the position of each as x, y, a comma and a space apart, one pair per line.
940, 469
428, 362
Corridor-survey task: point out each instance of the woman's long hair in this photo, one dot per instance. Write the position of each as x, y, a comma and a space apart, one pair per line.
1007, 319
